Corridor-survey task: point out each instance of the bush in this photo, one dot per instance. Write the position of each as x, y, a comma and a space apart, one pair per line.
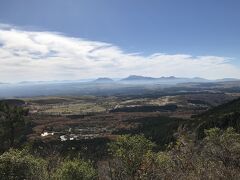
217, 156
222, 146
16, 164
130, 153
75, 170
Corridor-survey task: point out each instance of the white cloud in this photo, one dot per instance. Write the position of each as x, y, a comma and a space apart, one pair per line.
32, 55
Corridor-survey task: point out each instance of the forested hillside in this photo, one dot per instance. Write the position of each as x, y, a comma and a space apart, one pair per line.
223, 116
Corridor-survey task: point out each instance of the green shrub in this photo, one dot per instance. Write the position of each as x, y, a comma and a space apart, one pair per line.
130, 152
217, 156
75, 170
16, 164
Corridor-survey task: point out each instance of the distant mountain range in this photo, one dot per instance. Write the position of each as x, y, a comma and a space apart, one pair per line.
133, 79
161, 80
131, 85
228, 79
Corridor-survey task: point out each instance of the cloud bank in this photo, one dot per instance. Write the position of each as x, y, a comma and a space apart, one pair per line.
42, 56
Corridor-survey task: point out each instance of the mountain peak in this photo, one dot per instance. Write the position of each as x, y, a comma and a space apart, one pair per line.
103, 80
169, 77
137, 78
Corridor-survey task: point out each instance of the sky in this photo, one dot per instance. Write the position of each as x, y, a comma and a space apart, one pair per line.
82, 39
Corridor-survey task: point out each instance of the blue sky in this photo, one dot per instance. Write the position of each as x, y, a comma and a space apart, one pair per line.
198, 29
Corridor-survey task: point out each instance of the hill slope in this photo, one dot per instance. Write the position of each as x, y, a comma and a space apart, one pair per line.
223, 116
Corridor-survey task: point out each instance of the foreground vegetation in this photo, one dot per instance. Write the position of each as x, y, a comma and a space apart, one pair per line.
206, 148
217, 156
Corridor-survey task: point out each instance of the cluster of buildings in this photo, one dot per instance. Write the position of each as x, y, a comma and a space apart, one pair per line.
79, 133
